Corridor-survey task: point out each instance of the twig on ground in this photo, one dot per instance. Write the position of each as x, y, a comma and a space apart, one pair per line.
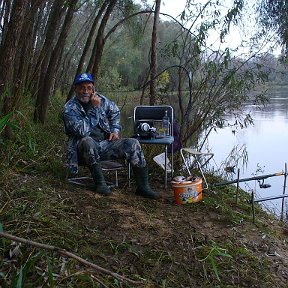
66, 253
98, 280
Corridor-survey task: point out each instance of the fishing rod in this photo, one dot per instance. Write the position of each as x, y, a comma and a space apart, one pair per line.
261, 177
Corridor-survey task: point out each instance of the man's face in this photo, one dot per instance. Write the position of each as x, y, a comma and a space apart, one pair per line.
84, 91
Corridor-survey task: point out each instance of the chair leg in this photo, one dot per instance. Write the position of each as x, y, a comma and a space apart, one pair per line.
172, 161
166, 155
129, 174
185, 163
200, 168
116, 180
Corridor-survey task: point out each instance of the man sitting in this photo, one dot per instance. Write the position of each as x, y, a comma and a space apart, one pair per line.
92, 123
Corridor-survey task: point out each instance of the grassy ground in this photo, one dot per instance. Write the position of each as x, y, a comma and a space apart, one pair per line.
212, 243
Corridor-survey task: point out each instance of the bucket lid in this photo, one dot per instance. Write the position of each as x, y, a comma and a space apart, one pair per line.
182, 182
179, 178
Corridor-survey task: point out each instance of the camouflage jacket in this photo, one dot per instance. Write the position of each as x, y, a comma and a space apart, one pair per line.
79, 124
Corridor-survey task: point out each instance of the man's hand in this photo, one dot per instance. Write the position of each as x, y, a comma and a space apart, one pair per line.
95, 100
113, 136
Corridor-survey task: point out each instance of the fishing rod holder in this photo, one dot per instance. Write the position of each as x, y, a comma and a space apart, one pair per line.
260, 179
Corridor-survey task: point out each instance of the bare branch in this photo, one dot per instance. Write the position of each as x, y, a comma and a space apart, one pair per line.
66, 253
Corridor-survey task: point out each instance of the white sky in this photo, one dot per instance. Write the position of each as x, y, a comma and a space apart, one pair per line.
237, 34
173, 7
232, 41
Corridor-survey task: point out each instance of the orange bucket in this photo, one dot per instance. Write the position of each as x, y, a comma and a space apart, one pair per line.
187, 192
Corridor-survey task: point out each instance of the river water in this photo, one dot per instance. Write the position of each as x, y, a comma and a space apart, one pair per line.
266, 144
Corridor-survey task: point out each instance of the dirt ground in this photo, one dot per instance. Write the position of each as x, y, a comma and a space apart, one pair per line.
167, 243
210, 243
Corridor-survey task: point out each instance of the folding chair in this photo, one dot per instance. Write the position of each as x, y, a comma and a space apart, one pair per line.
196, 160
108, 166
154, 115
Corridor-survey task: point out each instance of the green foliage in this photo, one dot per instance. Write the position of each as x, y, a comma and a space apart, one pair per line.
50, 273
110, 80
163, 84
129, 7
237, 158
231, 16
273, 16
21, 278
4, 121
120, 64
32, 144
221, 80
214, 252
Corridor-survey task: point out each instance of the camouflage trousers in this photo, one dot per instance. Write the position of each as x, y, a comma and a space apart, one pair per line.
91, 151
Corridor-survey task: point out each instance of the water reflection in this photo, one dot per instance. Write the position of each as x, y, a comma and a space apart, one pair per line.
266, 144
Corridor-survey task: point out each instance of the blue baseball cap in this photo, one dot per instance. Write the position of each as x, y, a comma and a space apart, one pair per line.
84, 77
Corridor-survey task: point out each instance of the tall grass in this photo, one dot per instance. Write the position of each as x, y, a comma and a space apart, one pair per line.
33, 147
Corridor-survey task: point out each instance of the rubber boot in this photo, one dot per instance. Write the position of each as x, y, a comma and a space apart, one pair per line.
143, 188
99, 180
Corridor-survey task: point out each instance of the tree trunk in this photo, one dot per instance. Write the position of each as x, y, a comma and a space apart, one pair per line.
44, 58
153, 64
41, 109
5, 14
180, 96
8, 56
38, 35
26, 47
66, 66
88, 44
97, 52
